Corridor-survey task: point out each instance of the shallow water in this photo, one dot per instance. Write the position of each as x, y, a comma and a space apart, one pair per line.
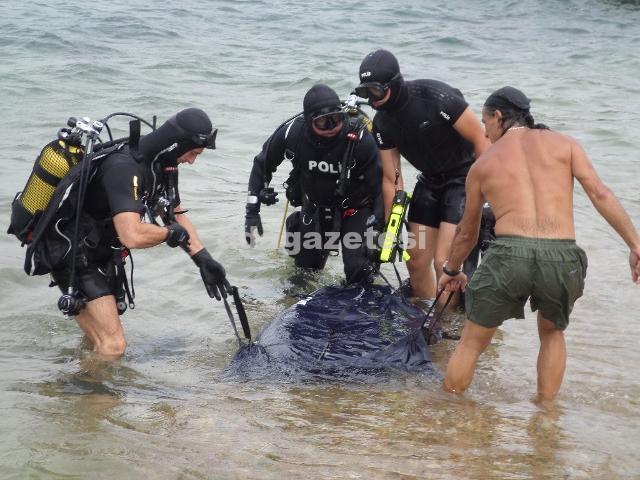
164, 411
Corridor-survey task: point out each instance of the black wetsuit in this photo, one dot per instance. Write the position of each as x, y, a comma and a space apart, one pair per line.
421, 128
313, 185
117, 186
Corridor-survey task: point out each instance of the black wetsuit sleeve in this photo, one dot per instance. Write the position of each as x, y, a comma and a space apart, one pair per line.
367, 174
452, 104
268, 160
382, 132
122, 181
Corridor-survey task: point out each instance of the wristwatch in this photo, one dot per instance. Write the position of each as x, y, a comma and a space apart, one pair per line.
451, 273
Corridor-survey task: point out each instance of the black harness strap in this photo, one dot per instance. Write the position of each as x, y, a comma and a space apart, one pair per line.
45, 176
134, 137
354, 135
292, 139
121, 275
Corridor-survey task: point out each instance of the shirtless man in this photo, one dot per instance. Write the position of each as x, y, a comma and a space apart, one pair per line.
527, 178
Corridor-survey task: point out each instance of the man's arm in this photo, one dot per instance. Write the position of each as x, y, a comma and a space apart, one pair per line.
212, 272
390, 168
195, 244
470, 128
133, 233
264, 165
467, 231
267, 161
607, 205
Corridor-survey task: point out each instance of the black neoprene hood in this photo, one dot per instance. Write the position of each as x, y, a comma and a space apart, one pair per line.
180, 129
318, 97
508, 97
379, 66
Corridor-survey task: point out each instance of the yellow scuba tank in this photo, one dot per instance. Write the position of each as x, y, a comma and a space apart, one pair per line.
53, 163
393, 229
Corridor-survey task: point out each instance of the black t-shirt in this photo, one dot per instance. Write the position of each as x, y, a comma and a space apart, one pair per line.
117, 186
422, 129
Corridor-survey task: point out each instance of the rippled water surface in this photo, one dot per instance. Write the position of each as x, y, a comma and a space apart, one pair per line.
165, 410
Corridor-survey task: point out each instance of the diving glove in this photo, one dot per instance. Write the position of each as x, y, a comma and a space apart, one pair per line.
268, 196
364, 275
213, 274
177, 235
252, 222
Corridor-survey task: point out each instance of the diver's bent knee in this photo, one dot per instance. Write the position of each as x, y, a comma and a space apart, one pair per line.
416, 264
113, 347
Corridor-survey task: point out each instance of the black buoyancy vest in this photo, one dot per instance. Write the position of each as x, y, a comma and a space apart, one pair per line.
294, 148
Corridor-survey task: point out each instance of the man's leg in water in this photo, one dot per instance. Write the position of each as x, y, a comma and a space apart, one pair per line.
462, 364
420, 266
101, 324
552, 358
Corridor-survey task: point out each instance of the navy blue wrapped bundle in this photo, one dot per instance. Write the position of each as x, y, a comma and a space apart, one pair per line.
344, 332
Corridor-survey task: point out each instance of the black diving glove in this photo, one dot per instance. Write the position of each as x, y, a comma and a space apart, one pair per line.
268, 196
177, 235
212, 273
252, 222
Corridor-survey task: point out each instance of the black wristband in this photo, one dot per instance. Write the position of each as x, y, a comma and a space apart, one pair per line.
451, 273
252, 208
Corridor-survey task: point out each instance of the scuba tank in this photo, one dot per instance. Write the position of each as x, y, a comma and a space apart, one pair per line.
52, 164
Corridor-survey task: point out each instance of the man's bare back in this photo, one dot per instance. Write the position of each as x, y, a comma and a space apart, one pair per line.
527, 179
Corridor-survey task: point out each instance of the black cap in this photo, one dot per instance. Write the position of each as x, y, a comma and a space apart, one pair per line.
509, 98
189, 129
379, 66
320, 97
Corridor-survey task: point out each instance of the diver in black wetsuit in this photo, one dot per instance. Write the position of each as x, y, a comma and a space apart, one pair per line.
431, 125
128, 183
339, 193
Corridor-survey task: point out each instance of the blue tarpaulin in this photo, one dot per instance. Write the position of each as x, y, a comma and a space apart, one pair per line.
339, 332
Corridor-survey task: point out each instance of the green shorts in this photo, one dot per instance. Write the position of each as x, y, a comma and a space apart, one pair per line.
551, 272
